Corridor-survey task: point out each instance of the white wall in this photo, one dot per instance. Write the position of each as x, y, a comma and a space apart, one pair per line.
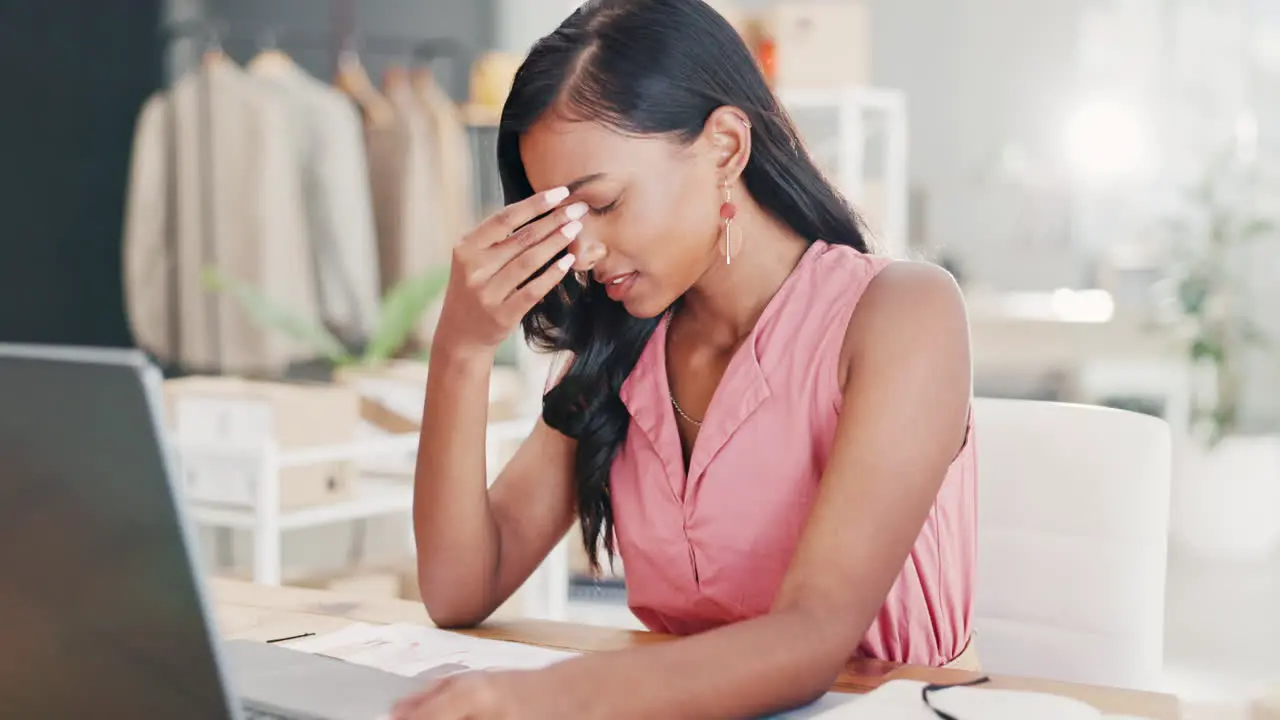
986, 82
522, 22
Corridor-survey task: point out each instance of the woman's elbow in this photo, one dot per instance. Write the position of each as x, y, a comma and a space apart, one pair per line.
453, 616
454, 622
449, 609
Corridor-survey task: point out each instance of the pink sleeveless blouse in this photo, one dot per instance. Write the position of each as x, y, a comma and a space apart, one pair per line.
710, 547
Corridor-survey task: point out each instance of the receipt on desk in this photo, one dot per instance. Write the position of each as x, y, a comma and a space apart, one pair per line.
418, 651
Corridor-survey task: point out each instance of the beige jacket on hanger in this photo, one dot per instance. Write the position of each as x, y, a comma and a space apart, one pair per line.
451, 155
412, 238
330, 154
255, 204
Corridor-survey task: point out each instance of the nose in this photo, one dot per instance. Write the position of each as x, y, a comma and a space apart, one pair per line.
587, 252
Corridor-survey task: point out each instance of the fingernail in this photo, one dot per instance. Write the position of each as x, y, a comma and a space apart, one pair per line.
555, 197
576, 210
566, 262
572, 229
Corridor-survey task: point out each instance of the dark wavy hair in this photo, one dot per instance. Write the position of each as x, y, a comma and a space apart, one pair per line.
645, 67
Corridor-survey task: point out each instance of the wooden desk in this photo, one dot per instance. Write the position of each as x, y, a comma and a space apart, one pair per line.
257, 612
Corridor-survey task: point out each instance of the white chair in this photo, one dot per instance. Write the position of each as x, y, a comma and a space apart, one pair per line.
1072, 542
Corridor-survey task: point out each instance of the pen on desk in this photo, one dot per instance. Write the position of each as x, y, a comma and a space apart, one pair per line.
291, 637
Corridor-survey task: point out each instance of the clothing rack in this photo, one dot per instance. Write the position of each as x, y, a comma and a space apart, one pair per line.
211, 35
416, 48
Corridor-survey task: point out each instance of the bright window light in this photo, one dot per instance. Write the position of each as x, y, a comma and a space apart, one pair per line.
1105, 140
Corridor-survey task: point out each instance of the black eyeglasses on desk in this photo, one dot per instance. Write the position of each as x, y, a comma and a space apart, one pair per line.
935, 687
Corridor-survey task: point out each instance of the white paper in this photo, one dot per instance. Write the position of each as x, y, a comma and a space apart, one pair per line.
417, 651
901, 700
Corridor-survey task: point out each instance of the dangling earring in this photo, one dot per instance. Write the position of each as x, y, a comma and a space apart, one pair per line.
582, 277
728, 211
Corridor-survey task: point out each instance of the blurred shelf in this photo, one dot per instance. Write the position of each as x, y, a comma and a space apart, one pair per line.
370, 498
259, 469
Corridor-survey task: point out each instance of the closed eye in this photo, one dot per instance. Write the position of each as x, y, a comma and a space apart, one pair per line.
606, 209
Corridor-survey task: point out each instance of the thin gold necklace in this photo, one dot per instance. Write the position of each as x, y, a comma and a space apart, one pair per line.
681, 411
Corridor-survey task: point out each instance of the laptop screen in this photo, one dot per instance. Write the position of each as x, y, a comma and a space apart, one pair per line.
100, 615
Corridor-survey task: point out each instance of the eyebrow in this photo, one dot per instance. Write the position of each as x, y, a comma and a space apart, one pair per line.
584, 180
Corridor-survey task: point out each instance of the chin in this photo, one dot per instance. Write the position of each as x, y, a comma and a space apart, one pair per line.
642, 310
644, 299
644, 307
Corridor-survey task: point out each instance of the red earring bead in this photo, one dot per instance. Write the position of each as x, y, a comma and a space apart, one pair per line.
728, 211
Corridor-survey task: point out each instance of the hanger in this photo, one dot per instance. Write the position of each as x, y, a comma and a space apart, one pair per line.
422, 79
395, 76
270, 58
213, 54
400, 75
354, 80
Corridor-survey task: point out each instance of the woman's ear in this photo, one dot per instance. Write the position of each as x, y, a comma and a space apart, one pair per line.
728, 136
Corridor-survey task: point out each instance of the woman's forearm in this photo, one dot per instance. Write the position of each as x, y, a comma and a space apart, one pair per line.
753, 668
457, 539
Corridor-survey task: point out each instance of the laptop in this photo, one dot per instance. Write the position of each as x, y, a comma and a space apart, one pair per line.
102, 613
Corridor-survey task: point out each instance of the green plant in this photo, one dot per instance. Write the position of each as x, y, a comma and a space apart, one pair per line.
399, 315
1211, 290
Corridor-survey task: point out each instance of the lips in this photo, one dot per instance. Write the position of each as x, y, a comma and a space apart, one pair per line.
617, 285
613, 279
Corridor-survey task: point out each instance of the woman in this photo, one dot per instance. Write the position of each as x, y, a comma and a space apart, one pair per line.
770, 423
